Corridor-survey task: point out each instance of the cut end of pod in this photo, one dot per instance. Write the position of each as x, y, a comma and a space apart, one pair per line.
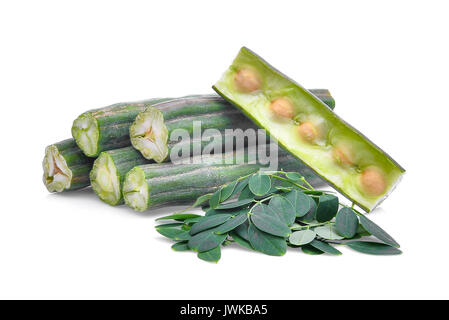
135, 190
86, 134
149, 135
105, 180
57, 175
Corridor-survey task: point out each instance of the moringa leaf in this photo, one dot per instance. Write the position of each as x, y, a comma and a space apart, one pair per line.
327, 208
214, 201
299, 201
242, 230
328, 232
296, 226
378, 232
174, 233
299, 238
206, 240
311, 250
361, 231
235, 204
202, 199
240, 240
374, 248
186, 227
346, 222
179, 216
193, 220
227, 191
311, 215
325, 247
232, 223
283, 209
265, 242
246, 194
269, 223
212, 255
294, 176
209, 222
180, 246
241, 185
259, 184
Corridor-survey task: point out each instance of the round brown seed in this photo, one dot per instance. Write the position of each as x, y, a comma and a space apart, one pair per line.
247, 80
372, 181
308, 131
282, 107
343, 155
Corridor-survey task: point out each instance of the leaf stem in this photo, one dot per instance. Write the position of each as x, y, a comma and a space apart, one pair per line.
289, 181
307, 183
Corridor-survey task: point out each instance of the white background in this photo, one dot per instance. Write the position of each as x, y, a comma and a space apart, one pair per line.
386, 63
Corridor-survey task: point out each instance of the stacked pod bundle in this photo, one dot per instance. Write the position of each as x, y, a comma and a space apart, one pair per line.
66, 166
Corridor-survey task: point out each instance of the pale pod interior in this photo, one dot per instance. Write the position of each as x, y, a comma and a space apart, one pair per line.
57, 176
149, 135
135, 189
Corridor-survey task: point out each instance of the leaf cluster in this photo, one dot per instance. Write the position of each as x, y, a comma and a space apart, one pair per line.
270, 211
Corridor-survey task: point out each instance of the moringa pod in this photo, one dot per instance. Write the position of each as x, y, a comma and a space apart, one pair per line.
304, 126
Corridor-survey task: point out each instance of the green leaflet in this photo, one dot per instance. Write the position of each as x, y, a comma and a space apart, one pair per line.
246, 194
299, 238
362, 231
268, 222
347, 222
265, 242
202, 199
259, 184
327, 208
180, 246
296, 226
174, 233
328, 232
240, 186
311, 215
283, 209
212, 212
209, 222
227, 191
294, 176
374, 248
186, 226
232, 223
212, 255
214, 201
193, 220
242, 231
235, 204
378, 232
325, 247
311, 250
206, 240
300, 202
240, 240
180, 216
